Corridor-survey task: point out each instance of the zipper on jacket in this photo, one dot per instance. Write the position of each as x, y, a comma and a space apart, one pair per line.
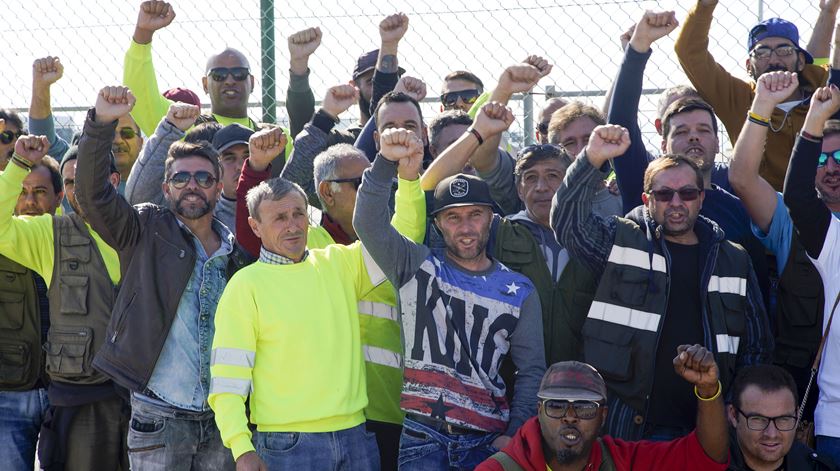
181, 252
658, 330
121, 320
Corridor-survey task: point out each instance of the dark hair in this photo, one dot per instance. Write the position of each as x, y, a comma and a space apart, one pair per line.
768, 378
396, 97
51, 165
571, 112
182, 150
467, 77
203, 132
831, 128
12, 117
444, 120
685, 105
667, 162
673, 94
532, 155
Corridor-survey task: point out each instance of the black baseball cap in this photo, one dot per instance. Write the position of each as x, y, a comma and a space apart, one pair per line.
461, 190
231, 135
367, 62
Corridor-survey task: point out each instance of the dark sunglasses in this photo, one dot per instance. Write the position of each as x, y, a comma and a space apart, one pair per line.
834, 154
764, 52
127, 133
557, 408
467, 96
665, 195
357, 182
203, 178
219, 74
6, 137
759, 423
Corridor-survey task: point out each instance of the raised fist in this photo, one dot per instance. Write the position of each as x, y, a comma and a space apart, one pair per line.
182, 115
112, 103
697, 366
155, 15
413, 87
607, 142
46, 71
540, 63
519, 78
264, 146
774, 87
32, 148
824, 103
652, 26
627, 36
393, 28
493, 118
339, 99
396, 144
303, 43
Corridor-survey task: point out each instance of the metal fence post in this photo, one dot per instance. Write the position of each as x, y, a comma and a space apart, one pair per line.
269, 83
528, 126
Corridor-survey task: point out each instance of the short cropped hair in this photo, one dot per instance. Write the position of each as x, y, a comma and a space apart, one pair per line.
325, 166
571, 112
768, 378
671, 95
467, 77
52, 166
831, 128
273, 189
667, 162
203, 132
685, 105
532, 155
182, 150
444, 120
396, 97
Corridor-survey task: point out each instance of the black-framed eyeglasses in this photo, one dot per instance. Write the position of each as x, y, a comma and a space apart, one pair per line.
127, 133
467, 96
764, 52
357, 182
219, 74
759, 423
824, 156
665, 195
203, 178
558, 408
6, 137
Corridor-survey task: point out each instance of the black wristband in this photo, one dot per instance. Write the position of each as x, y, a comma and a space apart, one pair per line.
323, 120
477, 135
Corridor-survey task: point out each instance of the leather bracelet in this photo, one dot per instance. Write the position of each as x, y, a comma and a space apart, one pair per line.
22, 161
719, 389
810, 136
477, 135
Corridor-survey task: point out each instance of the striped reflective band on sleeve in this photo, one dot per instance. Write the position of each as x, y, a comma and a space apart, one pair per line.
380, 310
381, 356
375, 274
232, 357
636, 258
230, 385
624, 316
728, 284
727, 344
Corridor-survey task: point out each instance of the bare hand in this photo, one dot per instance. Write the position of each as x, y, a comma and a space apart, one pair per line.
250, 461
540, 63
652, 26
393, 28
493, 118
182, 115
32, 148
830, 5
155, 15
626, 36
112, 103
303, 43
339, 99
413, 87
519, 78
607, 142
265, 146
824, 103
46, 71
697, 366
773, 87
396, 144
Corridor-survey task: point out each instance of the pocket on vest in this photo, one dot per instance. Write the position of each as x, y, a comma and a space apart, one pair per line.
74, 293
11, 310
68, 352
14, 363
608, 349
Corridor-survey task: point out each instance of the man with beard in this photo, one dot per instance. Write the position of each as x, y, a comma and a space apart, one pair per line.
85, 425
667, 277
572, 408
462, 314
177, 261
772, 45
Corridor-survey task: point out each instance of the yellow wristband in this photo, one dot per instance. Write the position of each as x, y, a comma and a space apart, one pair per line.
22, 160
758, 117
719, 389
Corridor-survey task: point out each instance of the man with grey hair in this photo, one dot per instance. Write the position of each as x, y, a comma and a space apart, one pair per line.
338, 174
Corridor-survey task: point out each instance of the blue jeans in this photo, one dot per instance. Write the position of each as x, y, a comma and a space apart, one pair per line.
353, 449
423, 448
829, 446
21, 414
167, 438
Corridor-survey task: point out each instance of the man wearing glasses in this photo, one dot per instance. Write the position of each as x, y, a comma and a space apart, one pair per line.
667, 277
772, 45
460, 91
10, 130
572, 410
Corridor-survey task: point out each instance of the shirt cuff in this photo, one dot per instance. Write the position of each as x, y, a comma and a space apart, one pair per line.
240, 445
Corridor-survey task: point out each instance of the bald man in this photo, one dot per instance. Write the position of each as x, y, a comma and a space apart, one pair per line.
551, 105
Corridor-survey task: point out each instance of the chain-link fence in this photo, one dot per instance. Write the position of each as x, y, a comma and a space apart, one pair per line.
580, 37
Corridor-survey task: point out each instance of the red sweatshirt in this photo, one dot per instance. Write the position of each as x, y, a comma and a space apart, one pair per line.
683, 453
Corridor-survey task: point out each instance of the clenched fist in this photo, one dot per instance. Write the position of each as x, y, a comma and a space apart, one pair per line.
182, 115
112, 103
32, 148
493, 118
302, 45
339, 99
606, 142
652, 26
46, 71
393, 28
413, 87
697, 366
264, 146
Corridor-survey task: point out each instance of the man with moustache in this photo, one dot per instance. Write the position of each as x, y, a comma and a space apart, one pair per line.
177, 261
667, 277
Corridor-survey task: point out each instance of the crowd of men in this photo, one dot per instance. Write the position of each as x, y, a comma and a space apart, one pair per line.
406, 293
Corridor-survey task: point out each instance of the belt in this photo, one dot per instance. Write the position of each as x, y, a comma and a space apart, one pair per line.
441, 426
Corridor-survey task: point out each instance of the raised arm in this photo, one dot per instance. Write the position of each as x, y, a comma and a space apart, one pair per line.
300, 101
587, 236
146, 176
758, 196
45, 72
139, 71
820, 43
391, 31
108, 213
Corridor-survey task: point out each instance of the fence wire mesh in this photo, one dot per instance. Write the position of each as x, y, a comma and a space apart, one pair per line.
580, 37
